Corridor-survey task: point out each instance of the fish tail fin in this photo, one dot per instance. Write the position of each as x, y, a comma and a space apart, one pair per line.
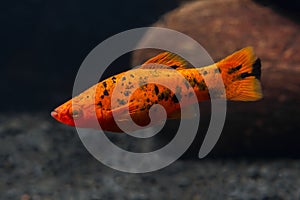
241, 73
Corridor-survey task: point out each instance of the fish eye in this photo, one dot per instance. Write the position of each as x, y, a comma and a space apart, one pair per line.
75, 113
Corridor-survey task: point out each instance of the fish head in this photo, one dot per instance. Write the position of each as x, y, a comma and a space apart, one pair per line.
66, 114
79, 111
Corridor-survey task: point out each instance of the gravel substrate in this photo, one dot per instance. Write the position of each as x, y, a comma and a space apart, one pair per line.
42, 159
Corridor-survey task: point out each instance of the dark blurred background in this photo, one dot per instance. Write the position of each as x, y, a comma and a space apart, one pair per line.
44, 43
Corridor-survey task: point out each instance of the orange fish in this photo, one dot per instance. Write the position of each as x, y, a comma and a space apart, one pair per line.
240, 73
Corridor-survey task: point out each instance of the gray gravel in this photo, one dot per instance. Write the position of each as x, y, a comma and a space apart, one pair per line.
42, 159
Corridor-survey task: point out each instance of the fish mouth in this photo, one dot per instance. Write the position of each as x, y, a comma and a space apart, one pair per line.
54, 114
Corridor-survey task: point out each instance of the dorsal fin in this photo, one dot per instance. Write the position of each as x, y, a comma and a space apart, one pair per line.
165, 59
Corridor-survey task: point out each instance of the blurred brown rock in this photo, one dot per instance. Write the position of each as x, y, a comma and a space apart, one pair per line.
269, 127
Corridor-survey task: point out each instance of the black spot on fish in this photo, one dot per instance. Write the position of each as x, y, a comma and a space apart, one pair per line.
178, 93
164, 95
113, 79
167, 93
177, 96
178, 90
121, 101
100, 104
156, 90
142, 81
174, 66
105, 93
144, 87
202, 85
234, 69
148, 100
161, 96
148, 106
220, 70
123, 78
127, 93
102, 96
244, 75
193, 82
187, 84
174, 99
129, 86
217, 70
87, 96
204, 72
131, 75
104, 84
256, 69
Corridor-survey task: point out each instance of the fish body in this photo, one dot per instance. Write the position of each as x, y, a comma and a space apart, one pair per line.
240, 74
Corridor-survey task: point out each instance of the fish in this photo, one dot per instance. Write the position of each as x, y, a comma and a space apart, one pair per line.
240, 73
